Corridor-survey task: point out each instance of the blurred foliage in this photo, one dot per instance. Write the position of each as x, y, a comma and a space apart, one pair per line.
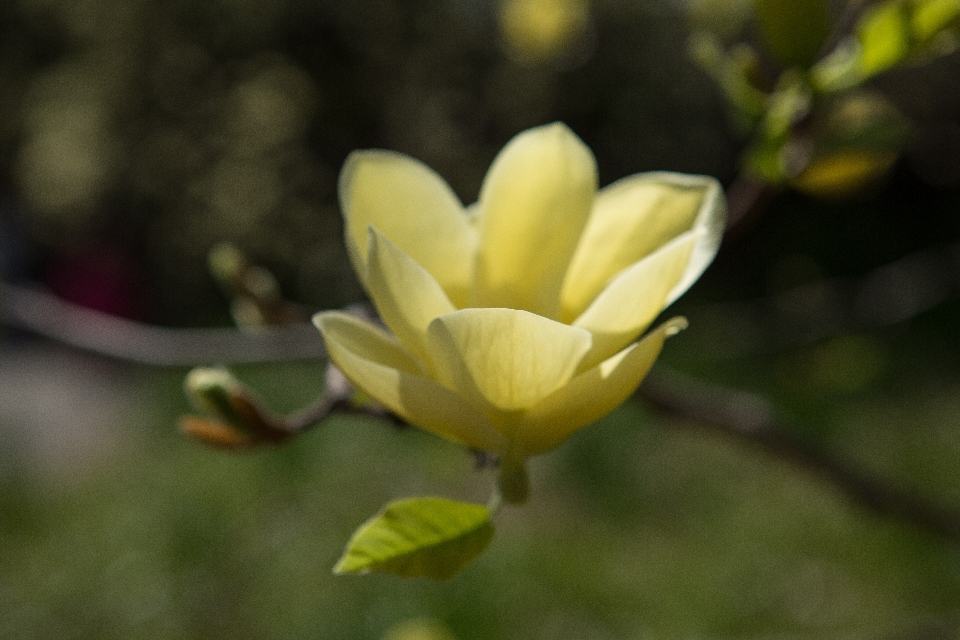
160, 128
542, 30
799, 85
794, 30
138, 134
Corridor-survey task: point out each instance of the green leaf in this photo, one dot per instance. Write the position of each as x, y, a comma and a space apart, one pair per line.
419, 537
931, 17
732, 72
794, 30
884, 35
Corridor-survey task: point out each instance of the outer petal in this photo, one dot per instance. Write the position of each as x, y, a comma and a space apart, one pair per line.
534, 203
407, 297
413, 206
375, 363
635, 297
633, 217
712, 219
505, 360
592, 394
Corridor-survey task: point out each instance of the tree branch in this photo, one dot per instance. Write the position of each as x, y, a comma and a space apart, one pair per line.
890, 294
753, 419
51, 317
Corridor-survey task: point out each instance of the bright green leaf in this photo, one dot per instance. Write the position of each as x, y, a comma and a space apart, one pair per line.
884, 35
419, 537
794, 30
930, 17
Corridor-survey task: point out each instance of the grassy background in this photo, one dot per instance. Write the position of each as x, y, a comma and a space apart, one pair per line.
640, 527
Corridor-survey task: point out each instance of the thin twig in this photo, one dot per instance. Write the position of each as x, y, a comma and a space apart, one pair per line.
887, 295
753, 419
337, 392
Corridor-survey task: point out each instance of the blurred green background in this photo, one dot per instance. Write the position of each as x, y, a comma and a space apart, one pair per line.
137, 134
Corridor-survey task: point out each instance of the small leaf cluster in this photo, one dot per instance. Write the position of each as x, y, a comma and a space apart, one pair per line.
800, 86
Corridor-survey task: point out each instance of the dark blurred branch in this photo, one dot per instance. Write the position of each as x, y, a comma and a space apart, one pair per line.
751, 418
51, 317
888, 295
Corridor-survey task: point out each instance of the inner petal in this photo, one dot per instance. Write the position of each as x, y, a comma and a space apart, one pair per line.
375, 363
533, 205
505, 360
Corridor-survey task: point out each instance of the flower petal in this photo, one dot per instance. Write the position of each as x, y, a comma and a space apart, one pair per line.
635, 298
414, 207
374, 362
592, 394
407, 297
633, 217
534, 203
505, 360
712, 220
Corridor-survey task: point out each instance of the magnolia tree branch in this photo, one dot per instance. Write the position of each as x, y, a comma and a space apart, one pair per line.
887, 295
747, 199
753, 419
890, 294
46, 315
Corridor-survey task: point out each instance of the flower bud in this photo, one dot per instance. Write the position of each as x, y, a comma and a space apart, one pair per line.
234, 412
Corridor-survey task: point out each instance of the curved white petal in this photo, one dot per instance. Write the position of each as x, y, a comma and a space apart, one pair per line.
635, 298
712, 220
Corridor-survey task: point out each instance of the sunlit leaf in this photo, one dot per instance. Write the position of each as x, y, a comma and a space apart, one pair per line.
845, 173
790, 102
884, 35
419, 537
930, 17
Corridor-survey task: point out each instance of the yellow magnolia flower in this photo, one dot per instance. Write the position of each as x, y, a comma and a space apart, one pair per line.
514, 322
